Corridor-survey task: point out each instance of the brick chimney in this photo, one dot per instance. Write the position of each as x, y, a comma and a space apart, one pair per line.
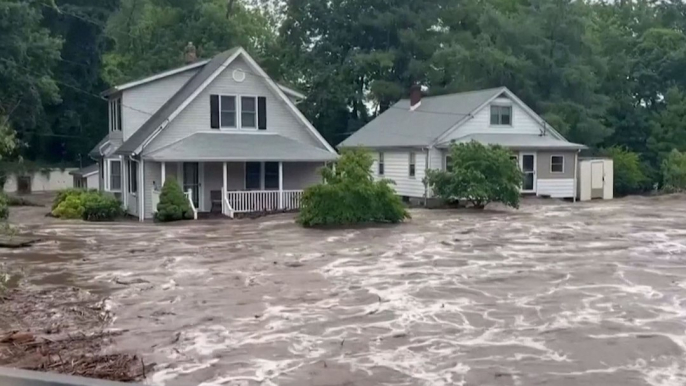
415, 96
190, 54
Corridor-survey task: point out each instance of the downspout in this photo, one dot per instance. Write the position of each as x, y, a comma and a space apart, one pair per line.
426, 168
576, 166
141, 191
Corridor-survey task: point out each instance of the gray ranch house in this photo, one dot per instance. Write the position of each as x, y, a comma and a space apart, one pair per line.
415, 135
231, 136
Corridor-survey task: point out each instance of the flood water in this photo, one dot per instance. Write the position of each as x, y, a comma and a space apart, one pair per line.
552, 294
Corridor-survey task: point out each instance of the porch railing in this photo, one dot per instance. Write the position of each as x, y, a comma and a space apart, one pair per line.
263, 200
189, 197
227, 209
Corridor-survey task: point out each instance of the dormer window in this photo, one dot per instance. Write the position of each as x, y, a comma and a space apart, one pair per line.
501, 115
115, 114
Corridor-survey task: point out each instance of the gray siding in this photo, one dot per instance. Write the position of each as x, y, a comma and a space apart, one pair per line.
396, 168
543, 165
196, 116
436, 159
300, 175
148, 98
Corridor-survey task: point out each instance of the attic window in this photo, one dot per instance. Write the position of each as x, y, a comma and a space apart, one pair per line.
228, 111
501, 115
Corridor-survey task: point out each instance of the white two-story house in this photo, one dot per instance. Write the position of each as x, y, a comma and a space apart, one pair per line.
232, 138
415, 134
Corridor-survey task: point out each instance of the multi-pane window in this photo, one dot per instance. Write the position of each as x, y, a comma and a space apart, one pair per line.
557, 164
227, 111
413, 166
248, 112
501, 115
115, 175
115, 114
381, 164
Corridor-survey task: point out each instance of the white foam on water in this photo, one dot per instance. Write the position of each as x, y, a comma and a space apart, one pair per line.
162, 376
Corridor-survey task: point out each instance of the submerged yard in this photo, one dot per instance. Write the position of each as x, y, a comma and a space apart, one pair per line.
552, 294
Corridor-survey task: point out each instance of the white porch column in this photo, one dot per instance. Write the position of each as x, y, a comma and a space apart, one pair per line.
224, 189
280, 185
164, 174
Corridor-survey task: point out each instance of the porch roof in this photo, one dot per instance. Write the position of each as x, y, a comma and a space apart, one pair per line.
218, 146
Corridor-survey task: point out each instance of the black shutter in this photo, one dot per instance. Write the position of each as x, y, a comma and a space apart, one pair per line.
214, 111
261, 113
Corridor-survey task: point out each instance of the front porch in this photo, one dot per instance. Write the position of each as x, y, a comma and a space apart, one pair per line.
236, 187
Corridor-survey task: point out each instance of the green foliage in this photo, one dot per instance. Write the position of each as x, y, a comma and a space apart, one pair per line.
173, 205
350, 195
89, 205
100, 207
629, 175
674, 171
70, 208
4, 207
479, 175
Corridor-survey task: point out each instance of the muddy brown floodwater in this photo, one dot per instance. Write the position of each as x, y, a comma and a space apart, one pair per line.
552, 294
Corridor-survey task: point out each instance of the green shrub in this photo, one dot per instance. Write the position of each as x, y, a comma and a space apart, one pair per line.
100, 207
673, 170
70, 208
4, 207
350, 195
629, 172
87, 205
479, 175
173, 205
63, 194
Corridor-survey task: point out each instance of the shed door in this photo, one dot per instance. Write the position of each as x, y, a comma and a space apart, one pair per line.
597, 172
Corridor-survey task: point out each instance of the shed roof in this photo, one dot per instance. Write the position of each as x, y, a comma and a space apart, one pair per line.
211, 146
85, 172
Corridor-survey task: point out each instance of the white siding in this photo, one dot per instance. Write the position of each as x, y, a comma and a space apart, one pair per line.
148, 98
436, 159
522, 123
92, 181
196, 116
55, 179
397, 164
556, 188
153, 173
300, 175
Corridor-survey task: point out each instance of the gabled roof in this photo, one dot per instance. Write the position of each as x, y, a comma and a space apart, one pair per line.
85, 172
218, 146
196, 84
398, 126
108, 145
517, 141
434, 119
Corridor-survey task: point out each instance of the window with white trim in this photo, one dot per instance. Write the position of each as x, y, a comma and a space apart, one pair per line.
248, 112
501, 115
557, 164
114, 172
227, 111
381, 164
115, 114
413, 166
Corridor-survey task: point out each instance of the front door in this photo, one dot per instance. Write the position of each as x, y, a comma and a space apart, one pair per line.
528, 165
191, 181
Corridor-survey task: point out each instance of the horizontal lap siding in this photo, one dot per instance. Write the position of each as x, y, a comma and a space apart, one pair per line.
522, 123
544, 160
556, 188
196, 117
300, 175
397, 169
148, 98
153, 173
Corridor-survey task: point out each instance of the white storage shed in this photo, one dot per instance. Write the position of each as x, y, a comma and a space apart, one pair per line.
596, 179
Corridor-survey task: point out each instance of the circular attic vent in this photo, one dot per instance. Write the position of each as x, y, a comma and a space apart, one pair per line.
238, 75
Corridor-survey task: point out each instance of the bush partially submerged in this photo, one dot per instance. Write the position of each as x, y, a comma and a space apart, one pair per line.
479, 175
173, 205
673, 170
87, 205
4, 207
350, 195
629, 176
